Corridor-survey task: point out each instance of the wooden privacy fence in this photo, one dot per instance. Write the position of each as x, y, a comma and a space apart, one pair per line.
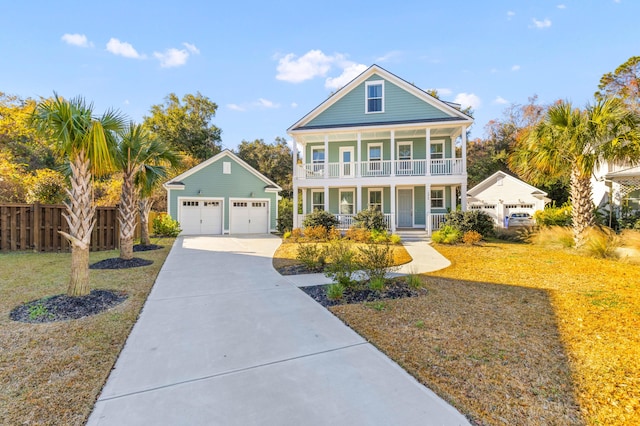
35, 227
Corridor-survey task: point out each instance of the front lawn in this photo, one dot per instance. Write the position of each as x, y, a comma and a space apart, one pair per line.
519, 334
52, 373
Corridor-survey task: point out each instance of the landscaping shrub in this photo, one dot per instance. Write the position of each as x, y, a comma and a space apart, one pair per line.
358, 235
473, 220
375, 260
335, 291
334, 234
395, 239
296, 235
554, 216
631, 238
285, 215
376, 284
164, 226
413, 281
370, 219
602, 243
552, 236
321, 218
313, 256
446, 235
342, 263
471, 238
315, 233
379, 236
511, 235
628, 220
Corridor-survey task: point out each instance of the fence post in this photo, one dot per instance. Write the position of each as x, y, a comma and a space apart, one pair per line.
35, 226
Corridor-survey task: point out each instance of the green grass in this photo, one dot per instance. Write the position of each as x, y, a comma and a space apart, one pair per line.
52, 373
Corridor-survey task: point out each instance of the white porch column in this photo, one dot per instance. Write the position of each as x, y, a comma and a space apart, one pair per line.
326, 198
463, 196
359, 156
428, 142
392, 191
393, 153
304, 201
326, 156
464, 153
427, 207
295, 205
358, 198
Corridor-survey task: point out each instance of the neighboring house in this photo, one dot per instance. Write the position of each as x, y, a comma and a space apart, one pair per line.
380, 142
618, 185
501, 194
223, 195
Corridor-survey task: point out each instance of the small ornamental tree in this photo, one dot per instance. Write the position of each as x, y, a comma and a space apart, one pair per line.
472, 220
370, 219
321, 218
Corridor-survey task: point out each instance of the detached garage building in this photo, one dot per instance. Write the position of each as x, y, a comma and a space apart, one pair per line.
223, 195
501, 194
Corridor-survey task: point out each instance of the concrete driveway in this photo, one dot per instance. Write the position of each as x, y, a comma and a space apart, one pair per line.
223, 339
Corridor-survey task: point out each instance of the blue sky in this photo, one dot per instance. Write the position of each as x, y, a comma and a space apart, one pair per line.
267, 64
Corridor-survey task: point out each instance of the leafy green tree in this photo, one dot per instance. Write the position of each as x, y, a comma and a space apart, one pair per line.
142, 160
47, 187
272, 160
186, 125
573, 141
623, 83
88, 142
12, 179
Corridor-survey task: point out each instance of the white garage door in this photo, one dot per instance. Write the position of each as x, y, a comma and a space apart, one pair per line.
519, 208
200, 217
249, 217
490, 209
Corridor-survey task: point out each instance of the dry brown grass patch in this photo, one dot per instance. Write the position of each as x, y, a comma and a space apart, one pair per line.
520, 334
52, 373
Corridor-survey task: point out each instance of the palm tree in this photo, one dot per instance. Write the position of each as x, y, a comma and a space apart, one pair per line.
570, 141
142, 160
87, 141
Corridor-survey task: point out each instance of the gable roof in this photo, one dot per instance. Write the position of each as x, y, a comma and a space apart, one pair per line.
176, 183
448, 107
492, 179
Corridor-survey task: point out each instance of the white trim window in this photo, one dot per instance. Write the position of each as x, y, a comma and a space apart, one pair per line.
375, 157
405, 155
437, 198
346, 201
375, 199
317, 200
437, 150
317, 158
374, 97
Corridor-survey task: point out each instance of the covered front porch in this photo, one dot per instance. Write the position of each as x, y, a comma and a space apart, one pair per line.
403, 206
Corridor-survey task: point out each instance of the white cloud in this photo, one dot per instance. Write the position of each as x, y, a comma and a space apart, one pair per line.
235, 107
510, 14
312, 64
126, 102
349, 73
265, 103
500, 100
172, 57
545, 23
561, 6
191, 48
389, 56
122, 48
79, 40
515, 68
294, 105
468, 100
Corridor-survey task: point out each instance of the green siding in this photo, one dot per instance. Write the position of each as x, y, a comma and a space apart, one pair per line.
398, 105
418, 205
211, 182
333, 200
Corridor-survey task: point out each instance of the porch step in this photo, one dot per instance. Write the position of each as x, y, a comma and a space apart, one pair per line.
412, 234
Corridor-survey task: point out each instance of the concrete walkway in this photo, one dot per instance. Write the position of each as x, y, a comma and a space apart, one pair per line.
223, 339
425, 259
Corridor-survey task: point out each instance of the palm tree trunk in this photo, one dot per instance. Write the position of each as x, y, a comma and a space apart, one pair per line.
80, 218
144, 208
127, 216
582, 206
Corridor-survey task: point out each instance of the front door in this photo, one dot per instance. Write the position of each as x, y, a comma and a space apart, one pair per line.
405, 208
346, 161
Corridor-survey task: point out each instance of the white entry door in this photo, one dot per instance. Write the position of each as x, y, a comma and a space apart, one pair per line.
249, 217
405, 208
198, 216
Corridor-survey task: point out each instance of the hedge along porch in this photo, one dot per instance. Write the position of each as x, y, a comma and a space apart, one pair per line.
223, 195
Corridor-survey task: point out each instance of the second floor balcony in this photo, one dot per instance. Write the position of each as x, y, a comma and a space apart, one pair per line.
381, 168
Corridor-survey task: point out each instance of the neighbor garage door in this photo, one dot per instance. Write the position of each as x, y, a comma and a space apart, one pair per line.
249, 217
199, 216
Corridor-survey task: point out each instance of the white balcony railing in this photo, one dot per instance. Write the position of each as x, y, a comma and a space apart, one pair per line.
445, 166
437, 220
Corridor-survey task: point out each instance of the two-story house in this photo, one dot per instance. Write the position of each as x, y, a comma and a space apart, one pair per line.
380, 142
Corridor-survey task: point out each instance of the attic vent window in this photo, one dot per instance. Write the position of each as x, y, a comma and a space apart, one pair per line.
374, 96
226, 167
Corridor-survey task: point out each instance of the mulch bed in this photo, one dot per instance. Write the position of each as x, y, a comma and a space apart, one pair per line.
296, 270
62, 307
117, 263
146, 247
395, 289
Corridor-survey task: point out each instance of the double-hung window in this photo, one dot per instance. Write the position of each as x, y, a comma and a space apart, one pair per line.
375, 158
317, 158
437, 198
317, 200
374, 101
375, 199
404, 158
346, 202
